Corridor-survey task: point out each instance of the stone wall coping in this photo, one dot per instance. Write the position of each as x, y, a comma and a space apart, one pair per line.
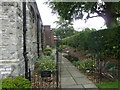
10, 61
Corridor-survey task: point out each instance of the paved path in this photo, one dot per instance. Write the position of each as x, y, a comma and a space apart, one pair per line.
72, 78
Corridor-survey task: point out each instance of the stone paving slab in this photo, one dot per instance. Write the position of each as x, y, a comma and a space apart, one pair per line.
65, 74
67, 81
82, 80
76, 74
71, 77
73, 86
89, 85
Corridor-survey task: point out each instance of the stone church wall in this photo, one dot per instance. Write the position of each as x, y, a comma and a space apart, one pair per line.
11, 38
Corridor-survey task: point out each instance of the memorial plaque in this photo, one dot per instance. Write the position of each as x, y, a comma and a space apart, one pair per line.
46, 74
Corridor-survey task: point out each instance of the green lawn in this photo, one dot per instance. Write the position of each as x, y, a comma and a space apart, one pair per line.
0, 85
109, 85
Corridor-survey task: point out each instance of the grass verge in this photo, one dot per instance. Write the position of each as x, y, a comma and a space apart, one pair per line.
108, 85
0, 85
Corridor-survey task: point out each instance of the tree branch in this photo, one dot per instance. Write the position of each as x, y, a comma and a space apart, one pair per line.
99, 15
94, 16
117, 15
90, 17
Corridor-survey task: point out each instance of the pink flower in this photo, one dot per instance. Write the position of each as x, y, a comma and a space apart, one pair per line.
67, 51
87, 70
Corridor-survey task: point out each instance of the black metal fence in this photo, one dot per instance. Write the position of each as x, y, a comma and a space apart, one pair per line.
45, 79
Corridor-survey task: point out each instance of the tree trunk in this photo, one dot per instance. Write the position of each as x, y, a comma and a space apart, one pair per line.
109, 20
109, 15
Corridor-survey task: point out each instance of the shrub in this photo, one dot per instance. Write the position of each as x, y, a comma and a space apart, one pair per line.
8, 83
17, 82
89, 55
112, 68
62, 47
22, 82
46, 63
71, 57
48, 51
86, 66
104, 41
75, 50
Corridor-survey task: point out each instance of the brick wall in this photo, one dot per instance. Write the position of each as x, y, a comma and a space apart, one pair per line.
49, 36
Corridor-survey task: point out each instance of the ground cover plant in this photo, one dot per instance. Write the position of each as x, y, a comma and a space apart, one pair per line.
17, 82
71, 57
86, 66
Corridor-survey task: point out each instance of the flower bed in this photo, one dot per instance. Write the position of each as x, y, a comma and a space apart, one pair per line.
46, 63
86, 66
44, 75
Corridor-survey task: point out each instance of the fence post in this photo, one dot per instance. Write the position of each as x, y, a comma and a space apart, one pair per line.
57, 60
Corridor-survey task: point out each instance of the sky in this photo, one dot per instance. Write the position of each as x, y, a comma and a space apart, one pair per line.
49, 18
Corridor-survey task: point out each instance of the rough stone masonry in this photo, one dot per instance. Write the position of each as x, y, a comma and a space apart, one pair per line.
11, 37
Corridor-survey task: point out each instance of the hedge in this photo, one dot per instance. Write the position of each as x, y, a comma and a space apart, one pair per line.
105, 42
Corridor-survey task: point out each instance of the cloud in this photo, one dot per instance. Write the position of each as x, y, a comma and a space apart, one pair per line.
47, 17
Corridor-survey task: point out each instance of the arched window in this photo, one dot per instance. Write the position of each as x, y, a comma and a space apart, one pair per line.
32, 14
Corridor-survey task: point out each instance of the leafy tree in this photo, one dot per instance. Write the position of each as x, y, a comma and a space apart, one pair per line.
109, 11
61, 23
65, 32
64, 28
